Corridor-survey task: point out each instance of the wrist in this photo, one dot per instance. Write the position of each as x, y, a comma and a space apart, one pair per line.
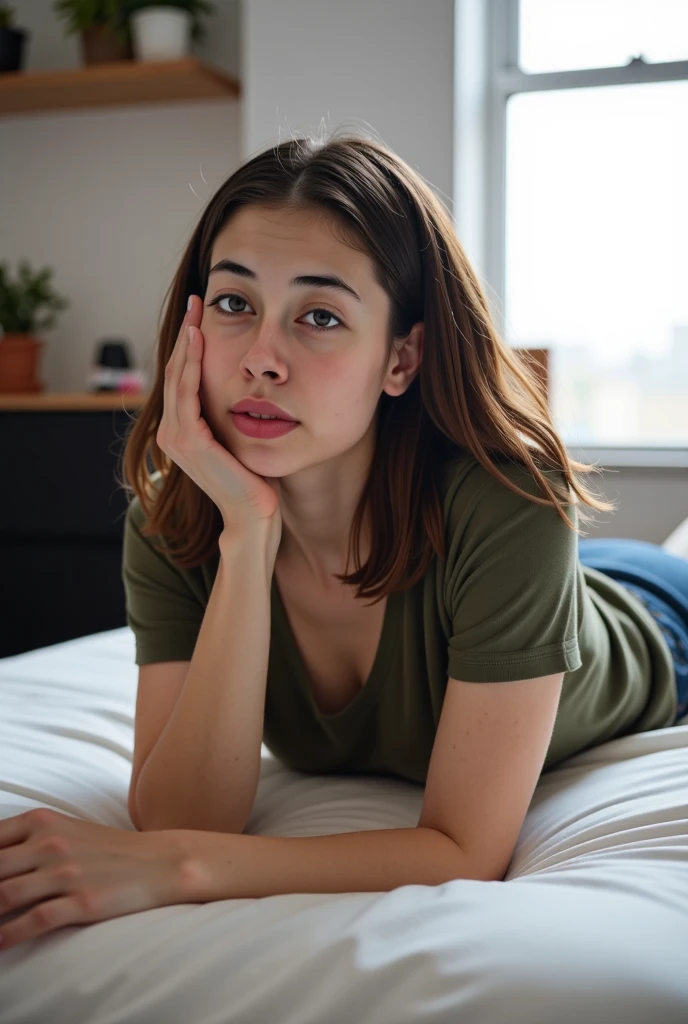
255, 537
179, 878
254, 547
198, 854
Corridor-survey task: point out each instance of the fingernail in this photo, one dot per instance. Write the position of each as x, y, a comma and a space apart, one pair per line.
188, 305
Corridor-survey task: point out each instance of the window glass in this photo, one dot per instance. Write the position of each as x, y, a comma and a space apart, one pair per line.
597, 256
560, 35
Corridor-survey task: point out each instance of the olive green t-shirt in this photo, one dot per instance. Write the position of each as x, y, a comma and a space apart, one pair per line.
509, 601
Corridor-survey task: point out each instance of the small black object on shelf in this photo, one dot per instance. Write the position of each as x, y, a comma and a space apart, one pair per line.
115, 354
12, 41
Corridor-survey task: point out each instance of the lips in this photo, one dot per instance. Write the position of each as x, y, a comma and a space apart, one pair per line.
267, 417
263, 408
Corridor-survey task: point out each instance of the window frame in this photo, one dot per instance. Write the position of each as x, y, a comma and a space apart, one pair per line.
494, 30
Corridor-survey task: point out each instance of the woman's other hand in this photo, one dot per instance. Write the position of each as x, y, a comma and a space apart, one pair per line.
60, 870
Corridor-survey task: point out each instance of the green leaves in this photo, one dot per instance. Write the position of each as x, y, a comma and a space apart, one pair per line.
20, 300
81, 14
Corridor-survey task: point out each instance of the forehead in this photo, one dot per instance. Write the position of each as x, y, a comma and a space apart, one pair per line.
277, 236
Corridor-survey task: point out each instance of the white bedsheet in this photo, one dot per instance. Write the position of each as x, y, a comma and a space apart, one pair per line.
590, 926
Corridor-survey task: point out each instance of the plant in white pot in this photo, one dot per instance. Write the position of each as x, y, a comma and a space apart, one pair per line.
165, 29
20, 302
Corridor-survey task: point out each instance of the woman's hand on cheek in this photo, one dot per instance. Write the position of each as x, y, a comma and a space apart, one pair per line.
244, 498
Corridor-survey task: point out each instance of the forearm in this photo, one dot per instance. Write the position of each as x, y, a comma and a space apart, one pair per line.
219, 867
203, 772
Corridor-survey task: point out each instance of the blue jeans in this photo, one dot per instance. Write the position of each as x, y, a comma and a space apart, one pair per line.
660, 581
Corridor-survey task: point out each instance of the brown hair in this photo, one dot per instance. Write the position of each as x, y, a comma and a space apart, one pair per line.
472, 391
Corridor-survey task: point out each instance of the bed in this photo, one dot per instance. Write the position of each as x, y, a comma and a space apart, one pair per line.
590, 924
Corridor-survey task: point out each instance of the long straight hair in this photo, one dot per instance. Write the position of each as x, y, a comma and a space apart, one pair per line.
472, 391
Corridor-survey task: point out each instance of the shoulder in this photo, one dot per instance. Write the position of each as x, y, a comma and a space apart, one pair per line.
464, 474
486, 517
466, 484
148, 559
140, 546
135, 516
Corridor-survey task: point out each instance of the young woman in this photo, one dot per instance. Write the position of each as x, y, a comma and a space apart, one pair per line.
327, 280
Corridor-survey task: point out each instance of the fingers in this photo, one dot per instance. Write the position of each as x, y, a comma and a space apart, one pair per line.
177, 361
14, 830
188, 400
46, 917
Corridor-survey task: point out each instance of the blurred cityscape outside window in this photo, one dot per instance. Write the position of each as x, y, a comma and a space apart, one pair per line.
596, 220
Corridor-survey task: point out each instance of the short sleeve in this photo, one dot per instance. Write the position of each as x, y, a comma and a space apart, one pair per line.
513, 586
161, 608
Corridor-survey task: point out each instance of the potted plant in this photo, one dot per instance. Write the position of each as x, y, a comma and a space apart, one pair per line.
20, 302
103, 25
11, 40
164, 29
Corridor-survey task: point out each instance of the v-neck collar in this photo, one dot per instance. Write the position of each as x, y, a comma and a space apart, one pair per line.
388, 648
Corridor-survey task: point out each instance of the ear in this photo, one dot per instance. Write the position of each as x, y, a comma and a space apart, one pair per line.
404, 361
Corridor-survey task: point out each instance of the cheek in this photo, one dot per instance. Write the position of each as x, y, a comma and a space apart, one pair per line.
214, 366
346, 392
212, 389
340, 379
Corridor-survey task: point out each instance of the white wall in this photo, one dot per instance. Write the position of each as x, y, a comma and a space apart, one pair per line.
384, 66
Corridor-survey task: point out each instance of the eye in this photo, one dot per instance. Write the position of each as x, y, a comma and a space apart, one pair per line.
238, 312
328, 315
220, 298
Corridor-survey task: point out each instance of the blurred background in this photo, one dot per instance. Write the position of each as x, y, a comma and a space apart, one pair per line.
555, 132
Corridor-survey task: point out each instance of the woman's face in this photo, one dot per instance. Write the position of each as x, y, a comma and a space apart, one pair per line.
262, 339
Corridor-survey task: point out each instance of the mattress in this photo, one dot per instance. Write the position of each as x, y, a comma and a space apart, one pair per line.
590, 924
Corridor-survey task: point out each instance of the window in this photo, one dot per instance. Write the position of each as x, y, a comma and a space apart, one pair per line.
566, 35
591, 103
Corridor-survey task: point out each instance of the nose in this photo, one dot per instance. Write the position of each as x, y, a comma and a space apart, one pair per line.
263, 355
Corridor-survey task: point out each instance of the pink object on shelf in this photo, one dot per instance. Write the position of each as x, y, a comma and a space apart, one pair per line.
130, 383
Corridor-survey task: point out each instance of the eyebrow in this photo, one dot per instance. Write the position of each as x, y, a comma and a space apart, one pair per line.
311, 280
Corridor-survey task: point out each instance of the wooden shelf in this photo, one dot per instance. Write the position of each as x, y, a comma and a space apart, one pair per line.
114, 84
71, 400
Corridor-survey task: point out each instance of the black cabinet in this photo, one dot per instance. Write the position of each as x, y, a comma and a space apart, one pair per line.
61, 523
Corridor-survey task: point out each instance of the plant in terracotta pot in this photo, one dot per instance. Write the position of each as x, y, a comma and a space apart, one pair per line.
21, 301
103, 25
